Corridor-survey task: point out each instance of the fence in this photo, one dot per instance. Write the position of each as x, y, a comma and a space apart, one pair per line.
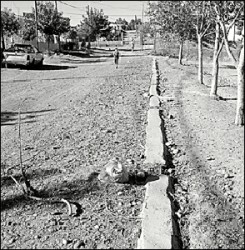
190, 50
106, 43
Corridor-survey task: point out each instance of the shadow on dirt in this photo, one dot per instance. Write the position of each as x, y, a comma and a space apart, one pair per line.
7, 181
72, 191
227, 98
76, 77
228, 66
50, 67
83, 61
40, 67
11, 118
208, 197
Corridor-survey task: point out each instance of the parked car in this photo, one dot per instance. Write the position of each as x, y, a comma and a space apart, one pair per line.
22, 54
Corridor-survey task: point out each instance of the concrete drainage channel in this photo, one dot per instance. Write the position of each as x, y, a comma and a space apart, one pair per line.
160, 229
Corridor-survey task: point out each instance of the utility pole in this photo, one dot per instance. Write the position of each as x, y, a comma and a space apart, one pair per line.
36, 23
89, 30
155, 38
55, 2
142, 27
142, 11
58, 36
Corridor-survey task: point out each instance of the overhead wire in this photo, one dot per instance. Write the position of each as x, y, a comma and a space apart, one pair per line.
114, 6
75, 7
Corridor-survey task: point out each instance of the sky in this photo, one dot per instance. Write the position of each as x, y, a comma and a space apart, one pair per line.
75, 9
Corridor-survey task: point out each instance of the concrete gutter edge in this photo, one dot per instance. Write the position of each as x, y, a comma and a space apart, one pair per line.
156, 214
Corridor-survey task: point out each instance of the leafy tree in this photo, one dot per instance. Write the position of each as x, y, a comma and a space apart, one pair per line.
72, 34
202, 22
123, 22
132, 25
94, 24
174, 18
228, 13
9, 24
28, 30
51, 22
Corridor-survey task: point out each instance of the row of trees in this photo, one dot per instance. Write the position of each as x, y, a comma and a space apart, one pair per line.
199, 21
50, 22
132, 25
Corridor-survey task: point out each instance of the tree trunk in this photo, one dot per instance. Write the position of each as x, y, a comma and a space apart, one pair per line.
2, 38
200, 59
58, 39
228, 50
240, 90
48, 46
181, 52
215, 71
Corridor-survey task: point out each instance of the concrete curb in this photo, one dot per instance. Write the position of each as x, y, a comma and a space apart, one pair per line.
156, 214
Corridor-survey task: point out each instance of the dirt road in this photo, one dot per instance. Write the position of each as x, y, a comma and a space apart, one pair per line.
79, 113
76, 116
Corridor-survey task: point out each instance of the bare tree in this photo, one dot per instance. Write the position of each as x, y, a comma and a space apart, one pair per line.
202, 22
228, 13
240, 90
215, 71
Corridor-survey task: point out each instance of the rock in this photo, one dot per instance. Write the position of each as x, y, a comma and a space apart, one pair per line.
64, 242
133, 203
120, 204
170, 116
79, 244
45, 237
175, 151
101, 246
12, 240
168, 144
53, 222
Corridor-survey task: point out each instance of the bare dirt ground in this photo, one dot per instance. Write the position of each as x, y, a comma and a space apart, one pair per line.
79, 113
207, 152
76, 117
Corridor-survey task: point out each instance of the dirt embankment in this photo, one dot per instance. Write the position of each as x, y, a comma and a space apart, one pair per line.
207, 152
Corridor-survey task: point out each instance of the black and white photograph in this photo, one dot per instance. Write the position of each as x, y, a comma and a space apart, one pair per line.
122, 124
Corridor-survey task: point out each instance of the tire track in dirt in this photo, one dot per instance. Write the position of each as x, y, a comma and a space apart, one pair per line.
209, 219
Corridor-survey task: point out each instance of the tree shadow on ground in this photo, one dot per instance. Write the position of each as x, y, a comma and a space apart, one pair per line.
11, 118
37, 174
73, 190
209, 192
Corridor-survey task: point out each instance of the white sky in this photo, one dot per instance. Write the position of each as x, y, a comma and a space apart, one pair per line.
74, 9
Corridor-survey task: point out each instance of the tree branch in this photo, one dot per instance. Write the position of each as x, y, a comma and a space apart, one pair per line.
220, 47
235, 18
203, 33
